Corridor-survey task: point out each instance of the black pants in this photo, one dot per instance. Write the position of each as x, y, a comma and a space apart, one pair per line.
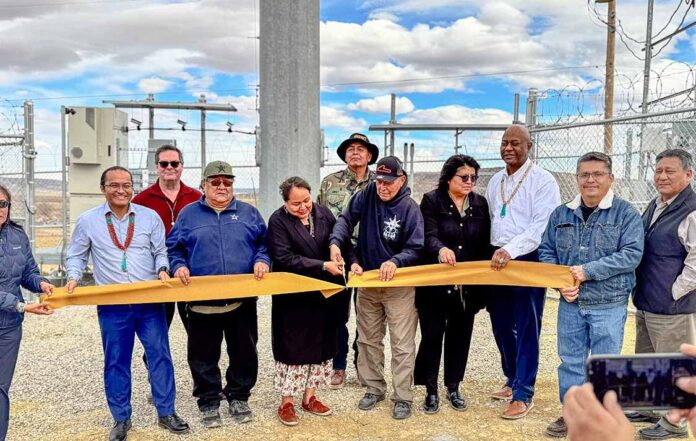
443, 315
239, 328
169, 308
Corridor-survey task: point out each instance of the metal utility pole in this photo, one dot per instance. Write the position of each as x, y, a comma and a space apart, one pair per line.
64, 186
290, 138
516, 109
646, 87
29, 157
392, 120
648, 56
201, 99
151, 117
609, 75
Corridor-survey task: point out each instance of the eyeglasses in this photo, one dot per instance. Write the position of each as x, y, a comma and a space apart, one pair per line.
4, 204
595, 175
115, 187
165, 164
466, 178
216, 182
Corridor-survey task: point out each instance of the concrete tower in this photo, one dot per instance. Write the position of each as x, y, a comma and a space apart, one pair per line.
289, 138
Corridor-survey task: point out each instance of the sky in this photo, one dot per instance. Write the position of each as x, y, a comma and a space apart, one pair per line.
448, 61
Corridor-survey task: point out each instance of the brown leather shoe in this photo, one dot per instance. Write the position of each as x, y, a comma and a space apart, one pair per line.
557, 429
516, 410
337, 379
287, 415
316, 407
503, 394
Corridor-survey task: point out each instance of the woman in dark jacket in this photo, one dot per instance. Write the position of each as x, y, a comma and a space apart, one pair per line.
457, 229
17, 268
304, 324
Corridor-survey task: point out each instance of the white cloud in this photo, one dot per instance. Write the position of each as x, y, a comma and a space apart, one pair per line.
153, 85
148, 38
456, 114
382, 104
332, 117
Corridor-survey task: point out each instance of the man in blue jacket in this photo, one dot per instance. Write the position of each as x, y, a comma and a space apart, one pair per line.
600, 236
390, 236
220, 235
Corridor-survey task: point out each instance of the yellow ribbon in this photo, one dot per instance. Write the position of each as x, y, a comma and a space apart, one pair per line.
515, 273
201, 288
542, 275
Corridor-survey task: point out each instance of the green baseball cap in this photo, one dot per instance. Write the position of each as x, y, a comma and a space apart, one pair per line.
217, 168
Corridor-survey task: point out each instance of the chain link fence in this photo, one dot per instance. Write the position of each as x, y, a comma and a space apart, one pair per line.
635, 142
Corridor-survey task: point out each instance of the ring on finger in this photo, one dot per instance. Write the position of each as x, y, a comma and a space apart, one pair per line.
501, 260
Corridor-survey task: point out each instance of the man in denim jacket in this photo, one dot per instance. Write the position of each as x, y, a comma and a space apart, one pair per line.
600, 237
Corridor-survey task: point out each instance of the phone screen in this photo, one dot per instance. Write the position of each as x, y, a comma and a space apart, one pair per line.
644, 381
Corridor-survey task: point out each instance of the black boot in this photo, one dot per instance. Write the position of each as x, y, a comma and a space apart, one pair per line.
173, 424
431, 404
456, 401
120, 430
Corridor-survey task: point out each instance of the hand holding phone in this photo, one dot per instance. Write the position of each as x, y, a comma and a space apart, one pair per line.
643, 381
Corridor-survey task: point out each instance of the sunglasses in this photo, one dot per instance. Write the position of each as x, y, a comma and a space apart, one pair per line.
466, 178
4, 204
165, 164
216, 182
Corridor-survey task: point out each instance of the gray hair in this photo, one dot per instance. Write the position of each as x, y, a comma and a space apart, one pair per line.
683, 156
595, 156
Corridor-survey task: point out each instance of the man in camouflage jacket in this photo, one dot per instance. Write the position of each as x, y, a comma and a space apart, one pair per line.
335, 192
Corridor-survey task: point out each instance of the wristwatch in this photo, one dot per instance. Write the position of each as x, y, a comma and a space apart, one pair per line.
323, 266
163, 268
20, 307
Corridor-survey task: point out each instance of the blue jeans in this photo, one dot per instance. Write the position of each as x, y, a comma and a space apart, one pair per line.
582, 331
9, 350
119, 324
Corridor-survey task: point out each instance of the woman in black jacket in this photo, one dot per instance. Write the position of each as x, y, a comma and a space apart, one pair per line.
457, 229
303, 329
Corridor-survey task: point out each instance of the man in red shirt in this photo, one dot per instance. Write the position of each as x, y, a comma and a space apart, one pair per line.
168, 196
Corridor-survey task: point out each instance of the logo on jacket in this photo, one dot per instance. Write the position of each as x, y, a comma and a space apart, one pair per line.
234, 217
391, 228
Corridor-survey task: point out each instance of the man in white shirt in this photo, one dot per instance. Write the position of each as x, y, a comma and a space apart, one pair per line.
521, 198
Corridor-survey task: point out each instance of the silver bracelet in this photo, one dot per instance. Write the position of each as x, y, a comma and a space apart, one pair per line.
20, 307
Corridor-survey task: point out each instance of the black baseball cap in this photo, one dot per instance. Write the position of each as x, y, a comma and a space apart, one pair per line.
389, 169
362, 139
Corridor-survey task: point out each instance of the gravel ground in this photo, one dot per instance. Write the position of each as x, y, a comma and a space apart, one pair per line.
58, 391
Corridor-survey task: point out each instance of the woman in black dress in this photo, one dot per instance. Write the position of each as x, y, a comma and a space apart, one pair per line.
303, 324
457, 229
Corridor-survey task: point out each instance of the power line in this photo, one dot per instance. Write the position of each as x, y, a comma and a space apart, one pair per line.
686, 12
512, 72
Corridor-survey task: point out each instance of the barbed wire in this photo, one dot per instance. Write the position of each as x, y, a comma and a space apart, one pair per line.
583, 102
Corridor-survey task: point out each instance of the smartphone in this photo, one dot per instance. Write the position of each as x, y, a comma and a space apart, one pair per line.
643, 381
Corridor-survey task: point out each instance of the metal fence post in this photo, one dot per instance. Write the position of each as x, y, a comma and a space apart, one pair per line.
530, 118
29, 156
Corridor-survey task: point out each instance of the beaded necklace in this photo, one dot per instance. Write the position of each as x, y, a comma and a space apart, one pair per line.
116, 241
503, 210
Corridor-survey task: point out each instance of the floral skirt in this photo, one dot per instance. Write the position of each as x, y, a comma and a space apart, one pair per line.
291, 379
